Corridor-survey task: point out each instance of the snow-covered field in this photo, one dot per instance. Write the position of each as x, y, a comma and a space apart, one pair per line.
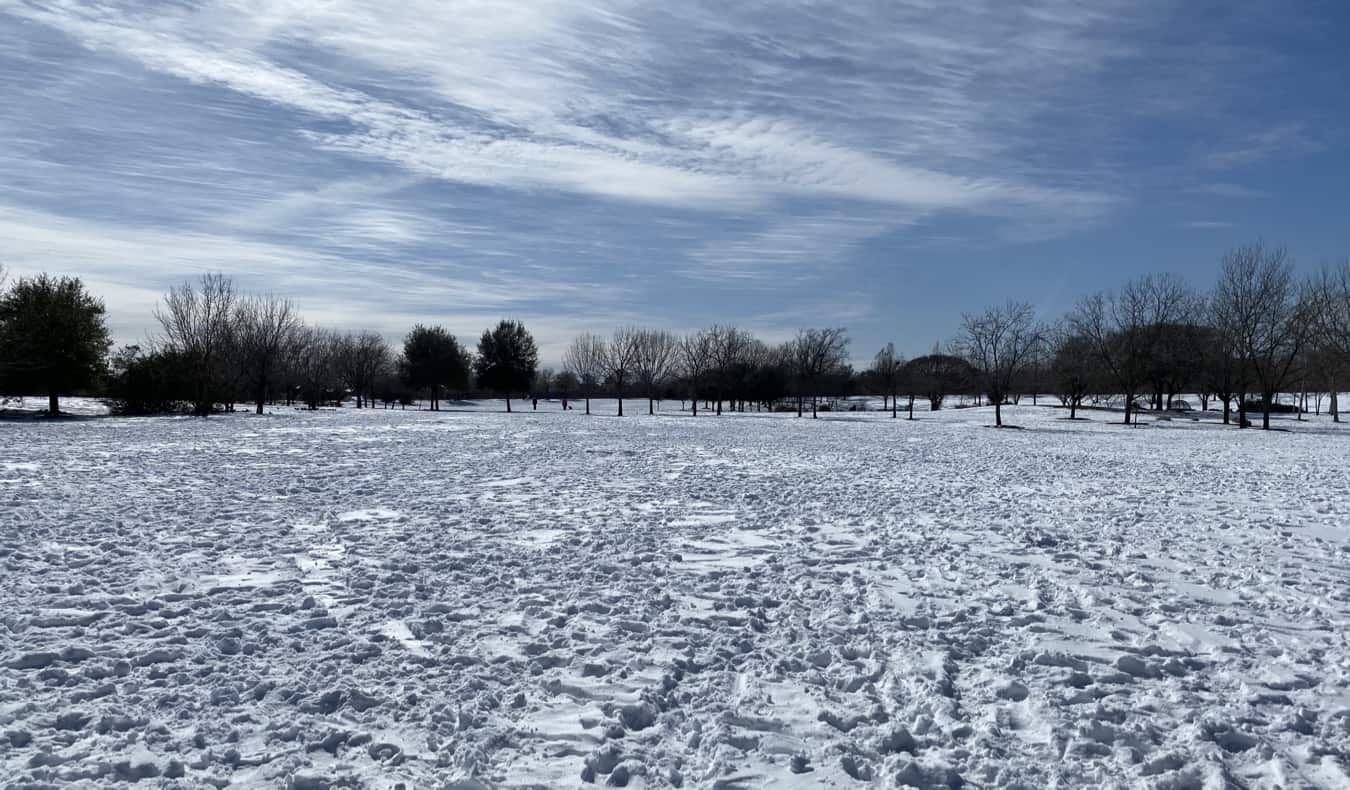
368, 598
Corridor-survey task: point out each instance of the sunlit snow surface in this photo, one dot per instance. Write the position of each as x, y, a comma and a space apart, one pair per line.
748, 601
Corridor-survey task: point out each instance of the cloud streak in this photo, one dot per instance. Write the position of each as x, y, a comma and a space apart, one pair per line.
611, 157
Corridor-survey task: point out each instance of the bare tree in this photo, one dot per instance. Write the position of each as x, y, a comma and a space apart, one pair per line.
363, 360
621, 358
585, 359
655, 357
1261, 307
267, 327
887, 367
815, 353
999, 343
729, 349
1124, 328
1223, 363
1073, 366
318, 373
199, 324
695, 358
1331, 324
936, 375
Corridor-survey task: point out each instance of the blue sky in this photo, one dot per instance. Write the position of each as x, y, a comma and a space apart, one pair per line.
581, 164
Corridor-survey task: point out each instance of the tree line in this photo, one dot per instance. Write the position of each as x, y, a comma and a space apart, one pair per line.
1259, 331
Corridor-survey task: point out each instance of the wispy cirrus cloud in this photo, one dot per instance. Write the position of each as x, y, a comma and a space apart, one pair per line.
525, 103
611, 155
1207, 224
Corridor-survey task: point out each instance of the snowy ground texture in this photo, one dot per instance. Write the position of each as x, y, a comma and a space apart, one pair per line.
474, 599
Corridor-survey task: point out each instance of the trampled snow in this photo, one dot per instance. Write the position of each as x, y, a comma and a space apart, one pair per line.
475, 599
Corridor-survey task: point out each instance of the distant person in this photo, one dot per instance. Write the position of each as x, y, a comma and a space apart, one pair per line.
564, 404
536, 404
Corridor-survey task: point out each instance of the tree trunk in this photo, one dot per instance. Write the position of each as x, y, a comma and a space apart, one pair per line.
620, 404
1129, 402
1265, 411
651, 407
508, 404
895, 403
911, 407
694, 404
799, 405
1335, 407
1073, 408
1227, 411
813, 407
588, 404
998, 412
53, 403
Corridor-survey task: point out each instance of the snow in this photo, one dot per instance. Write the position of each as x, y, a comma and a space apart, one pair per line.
366, 598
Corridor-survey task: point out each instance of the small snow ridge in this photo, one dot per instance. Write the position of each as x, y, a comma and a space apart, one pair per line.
399, 631
370, 514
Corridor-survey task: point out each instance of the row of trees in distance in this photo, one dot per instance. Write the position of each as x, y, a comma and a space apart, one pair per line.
1257, 332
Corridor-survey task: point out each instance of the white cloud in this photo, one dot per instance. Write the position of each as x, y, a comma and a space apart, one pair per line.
513, 85
132, 268
577, 162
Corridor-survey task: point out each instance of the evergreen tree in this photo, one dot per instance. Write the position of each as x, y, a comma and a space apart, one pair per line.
507, 357
53, 338
433, 359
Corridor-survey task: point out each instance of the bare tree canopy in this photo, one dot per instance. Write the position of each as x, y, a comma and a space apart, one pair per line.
695, 357
199, 324
1331, 326
655, 359
887, 367
1074, 366
317, 370
620, 359
268, 326
586, 359
936, 375
1260, 305
363, 359
815, 353
1125, 327
730, 347
999, 343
